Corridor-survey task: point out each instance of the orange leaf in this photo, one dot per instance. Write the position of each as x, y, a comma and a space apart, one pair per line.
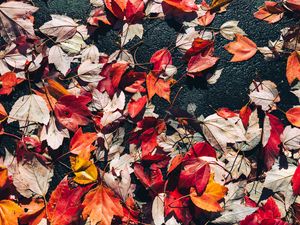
82, 143
157, 86
271, 12
34, 212
293, 67
208, 201
100, 205
242, 49
136, 106
3, 176
183, 5
293, 116
9, 212
56, 89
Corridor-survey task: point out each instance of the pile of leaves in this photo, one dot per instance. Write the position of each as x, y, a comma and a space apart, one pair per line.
127, 164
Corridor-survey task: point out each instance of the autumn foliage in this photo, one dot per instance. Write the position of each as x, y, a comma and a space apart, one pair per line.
98, 138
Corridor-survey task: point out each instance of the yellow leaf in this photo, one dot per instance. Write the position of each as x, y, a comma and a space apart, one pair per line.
85, 171
3, 175
213, 193
9, 212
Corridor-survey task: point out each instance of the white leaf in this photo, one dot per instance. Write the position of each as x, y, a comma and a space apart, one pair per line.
75, 44
130, 31
60, 59
230, 28
90, 53
54, 134
121, 56
29, 108
237, 165
117, 103
219, 131
253, 134
264, 94
15, 22
100, 99
279, 179
184, 41
172, 221
90, 72
31, 178
234, 213
119, 163
62, 27
291, 139
158, 209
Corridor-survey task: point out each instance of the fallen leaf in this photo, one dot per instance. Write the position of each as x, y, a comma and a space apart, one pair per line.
242, 49
157, 86
293, 67
33, 212
293, 116
9, 212
271, 12
208, 201
183, 5
3, 176
85, 171
230, 28
64, 206
60, 26
100, 205
28, 109
60, 59
82, 143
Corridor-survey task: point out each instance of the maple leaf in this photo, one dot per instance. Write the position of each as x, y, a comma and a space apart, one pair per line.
183, 5
29, 108
31, 177
9, 212
176, 203
64, 206
242, 49
199, 63
16, 19
60, 26
271, 12
219, 3
100, 205
157, 86
160, 58
60, 59
213, 193
71, 111
135, 106
293, 67
269, 211
82, 143
85, 171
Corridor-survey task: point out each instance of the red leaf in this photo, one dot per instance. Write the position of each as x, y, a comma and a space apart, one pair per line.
82, 143
160, 58
134, 10
183, 5
200, 45
136, 106
268, 211
200, 149
242, 49
225, 113
296, 181
177, 204
271, 148
245, 113
8, 81
293, 4
199, 63
64, 206
71, 111
293, 67
271, 12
